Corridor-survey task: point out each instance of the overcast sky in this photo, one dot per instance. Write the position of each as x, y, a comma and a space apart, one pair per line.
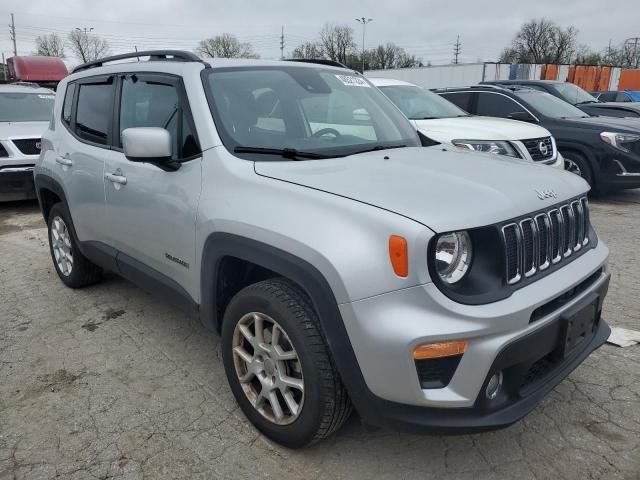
426, 28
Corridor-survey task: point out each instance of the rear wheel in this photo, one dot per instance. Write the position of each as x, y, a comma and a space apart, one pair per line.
73, 268
279, 366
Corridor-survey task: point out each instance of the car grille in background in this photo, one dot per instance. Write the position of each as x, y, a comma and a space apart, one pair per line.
28, 146
533, 244
536, 149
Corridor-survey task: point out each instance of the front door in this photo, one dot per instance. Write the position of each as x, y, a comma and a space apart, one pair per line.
152, 211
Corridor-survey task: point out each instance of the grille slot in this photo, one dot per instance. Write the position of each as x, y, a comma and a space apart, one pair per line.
535, 148
28, 146
534, 243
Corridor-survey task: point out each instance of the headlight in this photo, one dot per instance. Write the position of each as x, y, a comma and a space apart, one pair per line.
621, 141
453, 256
488, 146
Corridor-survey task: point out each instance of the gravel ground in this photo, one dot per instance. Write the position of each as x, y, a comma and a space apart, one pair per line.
108, 382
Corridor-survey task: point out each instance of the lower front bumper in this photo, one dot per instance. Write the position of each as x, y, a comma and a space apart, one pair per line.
484, 416
16, 183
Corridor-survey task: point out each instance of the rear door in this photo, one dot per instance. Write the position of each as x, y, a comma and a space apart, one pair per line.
152, 211
81, 150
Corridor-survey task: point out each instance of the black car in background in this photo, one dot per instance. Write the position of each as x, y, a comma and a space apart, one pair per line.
605, 151
576, 96
614, 96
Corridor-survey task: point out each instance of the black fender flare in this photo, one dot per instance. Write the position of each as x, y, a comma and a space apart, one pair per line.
219, 245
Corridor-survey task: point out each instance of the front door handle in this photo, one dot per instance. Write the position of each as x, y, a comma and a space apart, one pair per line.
115, 178
64, 161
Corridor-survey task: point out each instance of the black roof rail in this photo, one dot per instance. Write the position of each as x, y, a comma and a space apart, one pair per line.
319, 61
169, 55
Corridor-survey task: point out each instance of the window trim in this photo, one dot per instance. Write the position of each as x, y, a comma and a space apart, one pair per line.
71, 128
184, 109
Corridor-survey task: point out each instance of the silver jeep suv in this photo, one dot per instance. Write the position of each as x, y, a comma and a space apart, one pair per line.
345, 259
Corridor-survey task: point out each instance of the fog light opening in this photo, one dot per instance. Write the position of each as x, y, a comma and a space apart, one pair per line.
494, 385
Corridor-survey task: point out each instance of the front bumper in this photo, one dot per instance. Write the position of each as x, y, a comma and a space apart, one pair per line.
16, 183
384, 330
619, 171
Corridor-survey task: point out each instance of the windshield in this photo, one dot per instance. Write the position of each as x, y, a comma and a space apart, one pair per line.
573, 93
417, 103
303, 109
550, 106
26, 107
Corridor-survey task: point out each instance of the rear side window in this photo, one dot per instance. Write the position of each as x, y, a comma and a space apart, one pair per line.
461, 99
95, 102
607, 97
622, 97
495, 105
68, 103
152, 103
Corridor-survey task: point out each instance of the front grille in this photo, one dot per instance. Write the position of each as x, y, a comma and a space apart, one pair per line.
534, 243
540, 149
28, 146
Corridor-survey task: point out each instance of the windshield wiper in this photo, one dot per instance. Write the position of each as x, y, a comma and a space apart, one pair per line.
377, 148
289, 153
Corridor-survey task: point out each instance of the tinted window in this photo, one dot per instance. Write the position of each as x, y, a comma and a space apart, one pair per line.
95, 103
26, 107
496, 105
607, 97
68, 103
146, 103
461, 99
622, 97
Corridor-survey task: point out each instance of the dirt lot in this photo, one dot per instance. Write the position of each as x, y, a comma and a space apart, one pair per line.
107, 382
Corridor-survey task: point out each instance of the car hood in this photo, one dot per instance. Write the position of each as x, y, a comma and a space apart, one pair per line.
442, 188
602, 123
480, 128
10, 130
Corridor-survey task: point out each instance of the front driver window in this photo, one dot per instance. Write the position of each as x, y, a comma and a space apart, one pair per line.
496, 105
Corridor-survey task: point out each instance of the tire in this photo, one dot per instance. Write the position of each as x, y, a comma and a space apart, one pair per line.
323, 404
75, 270
576, 163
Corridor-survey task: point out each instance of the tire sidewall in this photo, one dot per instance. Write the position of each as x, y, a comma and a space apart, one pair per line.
58, 211
302, 430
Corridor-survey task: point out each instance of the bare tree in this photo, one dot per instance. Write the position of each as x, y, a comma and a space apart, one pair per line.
390, 56
337, 42
50, 45
541, 41
308, 50
225, 46
88, 47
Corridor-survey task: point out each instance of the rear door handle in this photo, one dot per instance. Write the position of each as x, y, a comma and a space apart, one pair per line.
119, 179
64, 161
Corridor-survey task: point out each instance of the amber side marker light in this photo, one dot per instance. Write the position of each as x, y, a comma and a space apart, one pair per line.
399, 256
439, 350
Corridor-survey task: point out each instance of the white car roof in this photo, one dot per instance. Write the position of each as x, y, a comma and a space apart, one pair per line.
17, 88
389, 82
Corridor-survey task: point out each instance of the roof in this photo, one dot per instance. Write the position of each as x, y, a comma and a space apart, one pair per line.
388, 82
521, 82
37, 69
10, 88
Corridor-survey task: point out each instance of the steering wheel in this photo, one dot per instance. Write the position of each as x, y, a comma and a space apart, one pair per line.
326, 131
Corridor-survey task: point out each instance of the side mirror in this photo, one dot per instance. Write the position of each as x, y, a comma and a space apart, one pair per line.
522, 116
148, 144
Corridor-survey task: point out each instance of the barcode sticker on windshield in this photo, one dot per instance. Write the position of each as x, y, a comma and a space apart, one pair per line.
353, 81
47, 96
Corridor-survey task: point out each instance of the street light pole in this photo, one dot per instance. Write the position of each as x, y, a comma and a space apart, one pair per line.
363, 21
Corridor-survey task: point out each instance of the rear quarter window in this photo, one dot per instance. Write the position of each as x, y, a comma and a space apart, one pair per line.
68, 103
464, 100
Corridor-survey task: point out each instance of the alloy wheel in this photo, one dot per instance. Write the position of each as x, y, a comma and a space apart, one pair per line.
61, 245
268, 368
573, 167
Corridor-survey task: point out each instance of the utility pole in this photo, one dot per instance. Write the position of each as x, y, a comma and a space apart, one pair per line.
12, 33
85, 29
282, 44
363, 21
634, 42
457, 48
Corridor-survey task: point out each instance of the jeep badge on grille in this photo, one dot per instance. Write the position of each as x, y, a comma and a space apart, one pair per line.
546, 193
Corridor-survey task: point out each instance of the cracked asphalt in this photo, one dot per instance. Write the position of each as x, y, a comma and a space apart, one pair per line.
108, 382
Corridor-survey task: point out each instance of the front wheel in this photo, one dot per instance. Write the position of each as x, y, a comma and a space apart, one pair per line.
578, 165
279, 366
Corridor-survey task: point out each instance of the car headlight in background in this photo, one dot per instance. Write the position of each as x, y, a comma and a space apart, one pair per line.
621, 141
488, 146
453, 256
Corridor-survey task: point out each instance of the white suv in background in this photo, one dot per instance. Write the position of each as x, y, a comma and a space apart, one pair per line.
25, 112
445, 122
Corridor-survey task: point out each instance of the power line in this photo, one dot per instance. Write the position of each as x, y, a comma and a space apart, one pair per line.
457, 49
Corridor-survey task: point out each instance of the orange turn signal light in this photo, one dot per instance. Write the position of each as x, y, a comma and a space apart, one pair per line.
440, 350
399, 256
